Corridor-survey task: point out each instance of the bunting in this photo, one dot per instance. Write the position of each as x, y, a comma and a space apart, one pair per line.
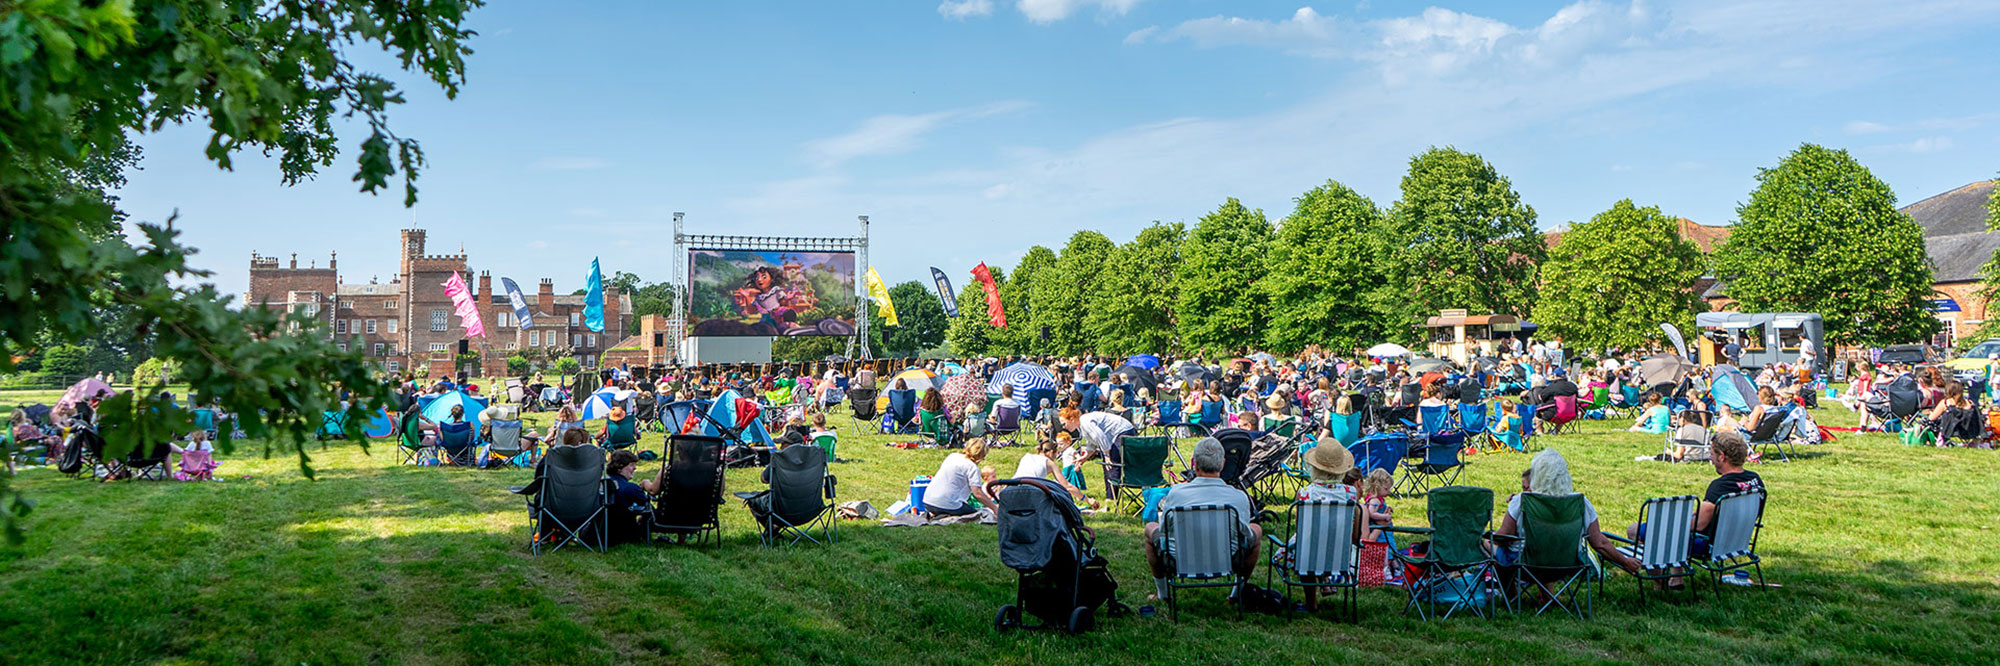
880, 292
521, 312
462, 305
995, 314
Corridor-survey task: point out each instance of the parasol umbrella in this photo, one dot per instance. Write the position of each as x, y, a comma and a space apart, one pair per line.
1486, 363
598, 405
918, 379
962, 391
1265, 357
439, 410
1024, 377
84, 390
1424, 365
950, 369
1388, 349
1665, 369
1193, 372
1147, 361
1140, 378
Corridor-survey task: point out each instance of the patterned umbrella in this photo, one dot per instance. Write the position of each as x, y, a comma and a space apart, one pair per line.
1024, 376
962, 391
84, 390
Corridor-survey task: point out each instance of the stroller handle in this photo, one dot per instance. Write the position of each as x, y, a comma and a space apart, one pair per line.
1046, 486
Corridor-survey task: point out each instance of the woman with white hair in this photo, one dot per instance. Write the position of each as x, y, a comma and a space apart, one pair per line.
1548, 474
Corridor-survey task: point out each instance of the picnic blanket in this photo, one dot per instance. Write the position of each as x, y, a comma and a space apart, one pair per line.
985, 516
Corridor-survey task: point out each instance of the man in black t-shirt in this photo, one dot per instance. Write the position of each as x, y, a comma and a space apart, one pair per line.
1727, 452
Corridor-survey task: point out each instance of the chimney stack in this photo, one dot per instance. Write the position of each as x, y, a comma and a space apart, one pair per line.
333, 261
485, 287
545, 301
295, 260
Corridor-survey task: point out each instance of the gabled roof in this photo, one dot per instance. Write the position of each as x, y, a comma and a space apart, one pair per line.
1960, 211
1957, 258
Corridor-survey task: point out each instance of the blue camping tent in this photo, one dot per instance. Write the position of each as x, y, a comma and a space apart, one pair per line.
723, 410
1732, 389
439, 410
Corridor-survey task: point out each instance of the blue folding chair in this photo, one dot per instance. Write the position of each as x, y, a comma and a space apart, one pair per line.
902, 415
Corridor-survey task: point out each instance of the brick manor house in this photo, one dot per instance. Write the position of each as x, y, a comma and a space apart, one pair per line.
408, 323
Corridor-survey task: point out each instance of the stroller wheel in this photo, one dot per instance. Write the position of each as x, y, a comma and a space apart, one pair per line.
1081, 620
1009, 616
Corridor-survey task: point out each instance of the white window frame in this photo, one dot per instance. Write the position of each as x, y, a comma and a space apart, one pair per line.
395, 366
576, 319
440, 319
534, 338
371, 327
592, 339
512, 345
389, 304
346, 305
342, 346
392, 326
378, 349
439, 346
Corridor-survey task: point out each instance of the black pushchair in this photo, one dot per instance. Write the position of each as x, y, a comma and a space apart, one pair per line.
1063, 579
1899, 401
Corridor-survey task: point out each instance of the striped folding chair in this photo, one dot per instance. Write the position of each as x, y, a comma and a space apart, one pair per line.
1669, 525
1201, 544
1738, 519
1323, 552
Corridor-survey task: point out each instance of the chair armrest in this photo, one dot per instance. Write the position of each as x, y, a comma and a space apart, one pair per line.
1405, 530
831, 481
1264, 515
1620, 539
1509, 538
1275, 541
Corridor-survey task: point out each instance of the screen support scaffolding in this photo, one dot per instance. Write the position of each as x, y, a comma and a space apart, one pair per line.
677, 325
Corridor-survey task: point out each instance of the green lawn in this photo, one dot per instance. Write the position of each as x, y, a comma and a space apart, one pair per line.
1887, 554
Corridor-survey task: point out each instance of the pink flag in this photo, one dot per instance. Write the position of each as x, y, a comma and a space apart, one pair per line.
468, 312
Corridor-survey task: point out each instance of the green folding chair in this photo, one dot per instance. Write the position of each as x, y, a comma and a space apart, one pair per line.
827, 442
1141, 465
934, 426
1454, 567
1553, 555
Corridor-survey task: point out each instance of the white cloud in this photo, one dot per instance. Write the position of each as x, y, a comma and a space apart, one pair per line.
895, 133
570, 163
1306, 31
1050, 11
960, 10
1865, 127
1141, 35
1929, 144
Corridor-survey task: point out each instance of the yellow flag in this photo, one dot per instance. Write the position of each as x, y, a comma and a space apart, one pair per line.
880, 293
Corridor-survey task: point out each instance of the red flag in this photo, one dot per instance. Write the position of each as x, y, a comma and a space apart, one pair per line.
995, 314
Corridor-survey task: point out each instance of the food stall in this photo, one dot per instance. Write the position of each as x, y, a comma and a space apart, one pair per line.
1767, 337
1460, 336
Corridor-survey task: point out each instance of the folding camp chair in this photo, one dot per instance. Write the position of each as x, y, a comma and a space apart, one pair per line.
504, 440
1140, 463
1600, 401
1436, 461
204, 419
1739, 517
1383, 451
333, 424
1032, 405
902, 415
1211, 416
801, 499
1563, 413
1345, 427
620, 434
828, 443
1454, 565
144, 464
1323, 551
1692, 437
1005, 424
1669, 539
934, 426
568, 500
1553, 556
454, 444
687, 508
411, 443
1201, 543
861, 405
1472, 422
1772, 433
1509, 439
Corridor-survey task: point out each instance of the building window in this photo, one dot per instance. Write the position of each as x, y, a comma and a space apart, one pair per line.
392, 350
340, 326
576, 340
500, 319
342, 346
575, 319
395, 366
388, 305
392, 326
510, 346
347, 305
371, 327
437, 347
534, 338
378, 349
592, 339
438, 318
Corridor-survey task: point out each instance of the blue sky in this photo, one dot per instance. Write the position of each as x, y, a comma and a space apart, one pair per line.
972, 129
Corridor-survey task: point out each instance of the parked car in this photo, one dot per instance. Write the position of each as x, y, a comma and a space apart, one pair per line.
1972, 364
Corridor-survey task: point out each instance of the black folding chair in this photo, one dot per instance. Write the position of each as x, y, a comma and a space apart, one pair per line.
687, 507
568, 500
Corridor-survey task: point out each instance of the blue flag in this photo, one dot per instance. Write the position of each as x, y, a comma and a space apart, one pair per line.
945, 294
593, 300
519, 302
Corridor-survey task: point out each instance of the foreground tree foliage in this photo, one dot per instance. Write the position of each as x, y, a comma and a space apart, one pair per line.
1131, 308
270, 76
1459, 238
1022, 335
1219, 307
1822, 234
1321, 272
1613, 280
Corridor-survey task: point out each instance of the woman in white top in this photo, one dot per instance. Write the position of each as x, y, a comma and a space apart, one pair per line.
1042, 463
958, 479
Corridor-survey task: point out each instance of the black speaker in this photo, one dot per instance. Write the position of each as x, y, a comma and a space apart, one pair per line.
464, 346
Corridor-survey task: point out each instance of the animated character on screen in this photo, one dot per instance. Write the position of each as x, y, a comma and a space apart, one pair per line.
803, 297
764, 298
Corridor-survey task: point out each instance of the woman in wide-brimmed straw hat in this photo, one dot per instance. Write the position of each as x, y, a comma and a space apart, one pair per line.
1327, 466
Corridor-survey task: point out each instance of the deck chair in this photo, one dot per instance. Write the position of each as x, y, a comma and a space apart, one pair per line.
1472, 422
504, 439
1771, 433
902, 416
1168, 413
1452, 570
204, 419
861, 405
801, 499
621, 434
1033, 403
410, 441
517, 393
1323, 551
1739, 517
1553, 555
1201, 542
1005, 424
1665, 554
1141, 464
688, 506
455, 446
568, 500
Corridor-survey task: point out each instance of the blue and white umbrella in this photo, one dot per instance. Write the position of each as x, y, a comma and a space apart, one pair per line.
1147, 361
1024, 377
599, 404
439, 409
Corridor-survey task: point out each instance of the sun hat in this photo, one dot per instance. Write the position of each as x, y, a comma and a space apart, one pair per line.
1330, 461
1275, 402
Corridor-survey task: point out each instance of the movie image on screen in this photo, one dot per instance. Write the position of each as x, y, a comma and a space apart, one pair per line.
770, 293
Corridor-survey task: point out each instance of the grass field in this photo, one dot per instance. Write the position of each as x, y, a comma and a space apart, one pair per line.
1887, 554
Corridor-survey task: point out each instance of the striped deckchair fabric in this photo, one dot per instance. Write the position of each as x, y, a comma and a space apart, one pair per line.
1738, 518
1201, 541
1324, 544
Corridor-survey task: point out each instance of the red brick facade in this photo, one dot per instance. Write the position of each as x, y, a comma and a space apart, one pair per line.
409, 322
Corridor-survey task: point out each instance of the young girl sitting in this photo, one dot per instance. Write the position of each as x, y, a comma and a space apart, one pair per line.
1041, 463
197, 458
1654, 419
1375, 491
1508, 428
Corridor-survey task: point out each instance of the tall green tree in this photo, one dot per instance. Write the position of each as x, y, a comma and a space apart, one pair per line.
1989, 288
1822, 234
1219, 307
1060, 296
1320, 271
970, 333
1613, 280
1022, 335
1131, 309
82, 77
1459, 238
920, 320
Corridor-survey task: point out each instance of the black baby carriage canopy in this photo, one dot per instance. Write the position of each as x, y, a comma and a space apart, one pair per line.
1042, 536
